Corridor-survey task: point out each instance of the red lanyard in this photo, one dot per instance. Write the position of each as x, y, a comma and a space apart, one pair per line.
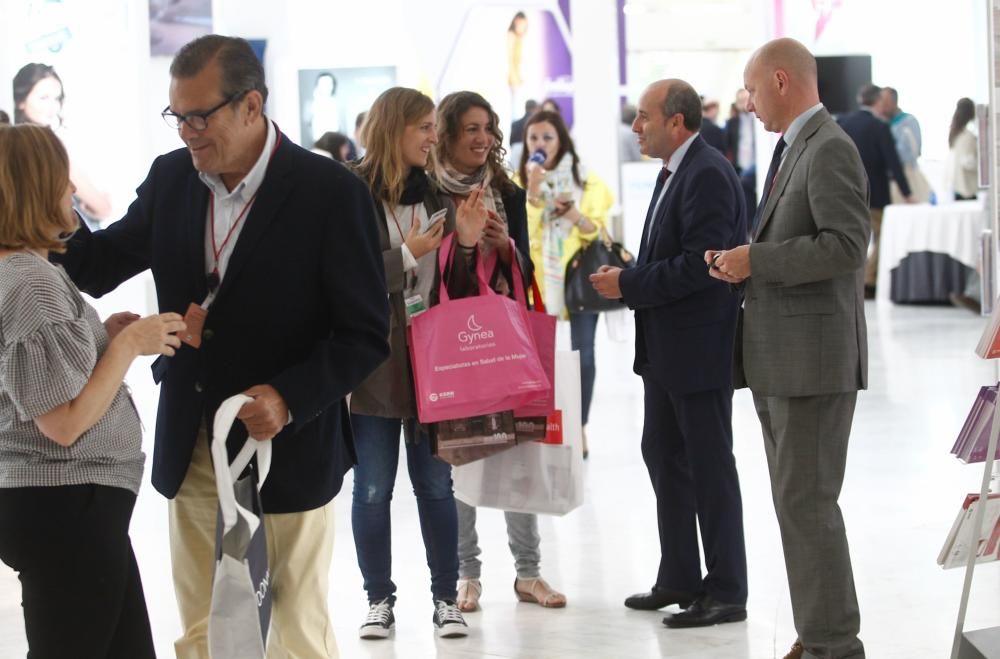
217, 251
413, 220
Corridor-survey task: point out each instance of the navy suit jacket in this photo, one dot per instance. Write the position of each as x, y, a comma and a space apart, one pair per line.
686, 320
303, 307
713, 135
875, 143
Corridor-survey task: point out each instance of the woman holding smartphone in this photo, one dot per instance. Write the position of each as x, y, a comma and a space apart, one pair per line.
567, 208
469, 157
400, 133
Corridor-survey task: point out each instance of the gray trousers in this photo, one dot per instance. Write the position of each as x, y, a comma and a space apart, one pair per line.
522, 537
805, 439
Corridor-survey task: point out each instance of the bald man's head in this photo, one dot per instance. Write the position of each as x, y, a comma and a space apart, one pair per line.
781, 79
788, 55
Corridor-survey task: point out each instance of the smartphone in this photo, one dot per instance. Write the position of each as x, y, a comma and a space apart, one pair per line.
433, 220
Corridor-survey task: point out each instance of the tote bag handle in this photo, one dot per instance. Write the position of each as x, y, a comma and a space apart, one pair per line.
226, 474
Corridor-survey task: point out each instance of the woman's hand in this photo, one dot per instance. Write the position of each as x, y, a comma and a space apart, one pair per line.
153, 335
568, 210
424, 243
119, 321
472, 217
496, 235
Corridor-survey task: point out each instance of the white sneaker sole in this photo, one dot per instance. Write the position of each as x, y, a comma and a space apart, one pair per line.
375, 632
451, 631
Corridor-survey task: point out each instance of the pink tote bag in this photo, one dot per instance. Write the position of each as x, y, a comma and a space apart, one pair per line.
543, 330
474, 355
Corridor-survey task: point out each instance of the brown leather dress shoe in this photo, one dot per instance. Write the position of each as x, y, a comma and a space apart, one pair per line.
796, 651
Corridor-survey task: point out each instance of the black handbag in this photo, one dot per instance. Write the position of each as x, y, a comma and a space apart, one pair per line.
580, 293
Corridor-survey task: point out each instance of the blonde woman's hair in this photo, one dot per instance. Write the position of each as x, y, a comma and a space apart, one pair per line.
34, 174
382, 166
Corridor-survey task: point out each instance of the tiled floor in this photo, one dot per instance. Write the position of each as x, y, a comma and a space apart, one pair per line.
900, 497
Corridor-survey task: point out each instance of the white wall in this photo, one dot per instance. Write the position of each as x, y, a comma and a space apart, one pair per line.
595, 77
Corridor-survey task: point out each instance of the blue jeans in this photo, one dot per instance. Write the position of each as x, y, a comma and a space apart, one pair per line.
582, 328
376, 440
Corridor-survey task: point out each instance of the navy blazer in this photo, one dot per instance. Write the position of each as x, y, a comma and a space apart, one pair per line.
875, 143
686, 320
713, 135
303, 307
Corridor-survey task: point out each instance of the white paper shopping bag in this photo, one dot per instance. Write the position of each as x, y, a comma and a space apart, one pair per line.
534, 477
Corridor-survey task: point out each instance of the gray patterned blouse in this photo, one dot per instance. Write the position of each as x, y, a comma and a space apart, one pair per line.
50, 341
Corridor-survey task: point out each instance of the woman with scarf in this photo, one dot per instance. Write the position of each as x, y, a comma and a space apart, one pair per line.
469, 158
400, 133
567, 208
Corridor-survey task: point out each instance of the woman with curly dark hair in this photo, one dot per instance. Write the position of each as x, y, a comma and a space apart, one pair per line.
469, 157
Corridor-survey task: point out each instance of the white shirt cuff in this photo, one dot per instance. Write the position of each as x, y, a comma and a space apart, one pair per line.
409, 263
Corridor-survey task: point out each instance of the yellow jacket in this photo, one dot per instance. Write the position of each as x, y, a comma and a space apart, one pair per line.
594, 205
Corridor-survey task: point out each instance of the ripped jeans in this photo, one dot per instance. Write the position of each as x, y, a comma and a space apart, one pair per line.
376, 440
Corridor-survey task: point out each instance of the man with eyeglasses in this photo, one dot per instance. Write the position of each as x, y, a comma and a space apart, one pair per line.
273, 251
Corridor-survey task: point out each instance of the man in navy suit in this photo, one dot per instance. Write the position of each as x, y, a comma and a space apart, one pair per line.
714, 136
873, 137
276, 249
685, 332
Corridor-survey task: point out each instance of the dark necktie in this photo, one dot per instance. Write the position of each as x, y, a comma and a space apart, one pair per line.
772, 171
661, 180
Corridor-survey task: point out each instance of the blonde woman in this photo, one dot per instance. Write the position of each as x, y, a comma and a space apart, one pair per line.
70, 438
413, 217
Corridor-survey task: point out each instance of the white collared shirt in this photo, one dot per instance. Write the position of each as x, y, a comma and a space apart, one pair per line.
794, 129
228, 206
672, 164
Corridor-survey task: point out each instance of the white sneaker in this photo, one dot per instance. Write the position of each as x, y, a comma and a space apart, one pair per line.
448, 620
380, 620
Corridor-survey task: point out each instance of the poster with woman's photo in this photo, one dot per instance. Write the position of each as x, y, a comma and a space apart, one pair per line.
173, 23
331, 99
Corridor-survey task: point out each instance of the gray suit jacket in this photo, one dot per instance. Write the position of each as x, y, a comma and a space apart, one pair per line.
803, 325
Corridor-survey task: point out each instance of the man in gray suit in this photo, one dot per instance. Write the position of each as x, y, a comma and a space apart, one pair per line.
803, 343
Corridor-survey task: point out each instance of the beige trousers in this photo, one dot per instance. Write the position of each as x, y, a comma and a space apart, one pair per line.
871, 265
299, 549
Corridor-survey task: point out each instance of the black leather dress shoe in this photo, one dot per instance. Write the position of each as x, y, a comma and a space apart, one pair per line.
705, 612
659, 598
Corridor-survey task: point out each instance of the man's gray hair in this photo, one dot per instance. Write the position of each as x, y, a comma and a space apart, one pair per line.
241, 70
683, 99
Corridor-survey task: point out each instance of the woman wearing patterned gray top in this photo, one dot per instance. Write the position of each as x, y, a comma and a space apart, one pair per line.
70, 438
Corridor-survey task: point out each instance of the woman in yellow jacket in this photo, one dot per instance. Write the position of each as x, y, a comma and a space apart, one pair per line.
566, 210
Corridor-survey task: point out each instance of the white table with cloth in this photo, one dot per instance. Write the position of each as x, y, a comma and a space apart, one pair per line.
928, 251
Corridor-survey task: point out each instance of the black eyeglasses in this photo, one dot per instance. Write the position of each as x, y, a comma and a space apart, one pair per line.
197, 120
